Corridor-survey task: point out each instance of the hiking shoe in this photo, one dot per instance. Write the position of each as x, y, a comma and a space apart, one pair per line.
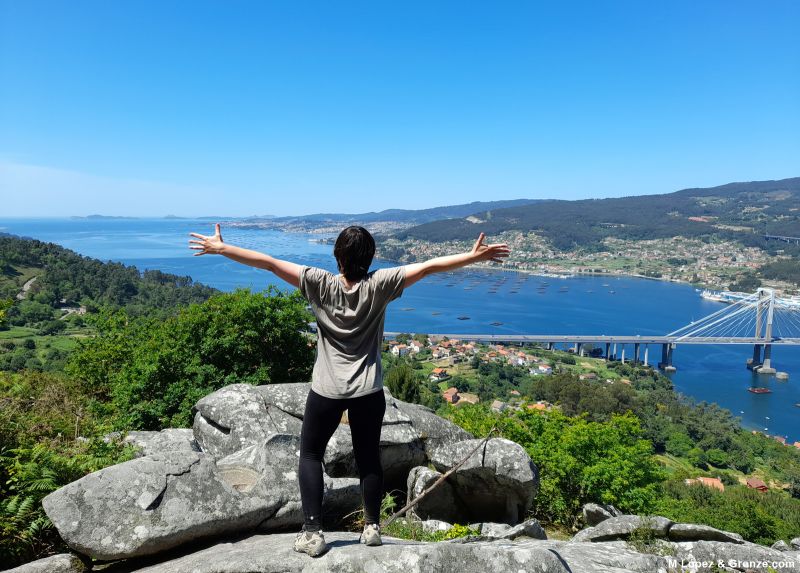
311, 542
371, 535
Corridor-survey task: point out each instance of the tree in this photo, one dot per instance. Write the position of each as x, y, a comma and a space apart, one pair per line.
403, 383
5, 304
155, 370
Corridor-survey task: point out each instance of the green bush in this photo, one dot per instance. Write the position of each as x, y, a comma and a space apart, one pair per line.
579, 461
760, 517
154, 371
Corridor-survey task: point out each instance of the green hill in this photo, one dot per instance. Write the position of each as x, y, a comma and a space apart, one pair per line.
739, 211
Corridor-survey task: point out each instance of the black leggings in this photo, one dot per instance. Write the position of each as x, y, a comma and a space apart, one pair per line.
322, 416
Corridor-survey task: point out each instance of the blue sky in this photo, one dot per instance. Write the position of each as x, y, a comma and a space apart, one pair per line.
240, 108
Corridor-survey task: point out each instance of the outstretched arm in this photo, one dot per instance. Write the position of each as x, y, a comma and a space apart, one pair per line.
480, 252
288, 271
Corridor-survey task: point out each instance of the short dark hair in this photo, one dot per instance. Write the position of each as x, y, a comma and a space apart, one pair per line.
354, 250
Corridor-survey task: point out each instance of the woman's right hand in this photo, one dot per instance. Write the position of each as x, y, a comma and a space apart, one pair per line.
208, 245
495, 252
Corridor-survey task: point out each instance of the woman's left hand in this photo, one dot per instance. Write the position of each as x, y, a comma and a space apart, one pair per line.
208, 245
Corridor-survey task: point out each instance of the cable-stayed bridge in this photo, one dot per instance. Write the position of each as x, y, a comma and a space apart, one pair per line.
760, 319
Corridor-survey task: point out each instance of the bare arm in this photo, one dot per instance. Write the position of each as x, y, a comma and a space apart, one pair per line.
480, 252
288, 271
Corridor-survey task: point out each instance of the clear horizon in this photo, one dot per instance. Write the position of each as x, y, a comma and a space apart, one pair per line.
126, 109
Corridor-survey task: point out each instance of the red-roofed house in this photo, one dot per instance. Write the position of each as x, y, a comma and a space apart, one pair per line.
438, 374
755, 483
716, 483
450, 395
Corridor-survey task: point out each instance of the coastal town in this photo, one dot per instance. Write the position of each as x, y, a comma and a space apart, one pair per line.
715, 264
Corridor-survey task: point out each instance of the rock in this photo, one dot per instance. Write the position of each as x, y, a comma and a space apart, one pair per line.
780, 545
290, 398
608, 557
699, 532
795, 543
235, 417
61, 563
401, 450
439, 504
746, 556
167, 440
594, 513
622, 526
274, 554
530, 528
432, 430
164, 500
395, 412
497, 483
400, 446
434, 525
157, 502
494, 530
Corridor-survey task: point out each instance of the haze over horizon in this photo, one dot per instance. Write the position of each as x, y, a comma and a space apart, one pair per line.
149, 109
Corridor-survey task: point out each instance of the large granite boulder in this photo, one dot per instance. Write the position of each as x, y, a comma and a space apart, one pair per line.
594, 513
153, 503
795, 543
497, 483
235, 417
167, 440
622, 526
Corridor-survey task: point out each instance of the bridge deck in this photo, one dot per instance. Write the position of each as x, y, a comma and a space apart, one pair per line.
610, 339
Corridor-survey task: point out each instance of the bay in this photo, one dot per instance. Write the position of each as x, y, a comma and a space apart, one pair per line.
522, 303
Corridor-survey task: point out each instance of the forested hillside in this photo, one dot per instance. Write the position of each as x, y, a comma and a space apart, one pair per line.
740, 211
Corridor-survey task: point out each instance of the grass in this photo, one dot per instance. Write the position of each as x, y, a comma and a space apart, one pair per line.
15, 332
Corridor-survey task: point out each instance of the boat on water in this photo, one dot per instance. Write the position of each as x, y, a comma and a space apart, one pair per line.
408, 308
463, 318
435, 313
500, 324
723, 296
798, 404
759, 390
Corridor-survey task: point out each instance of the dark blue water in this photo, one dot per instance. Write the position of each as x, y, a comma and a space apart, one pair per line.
521, 302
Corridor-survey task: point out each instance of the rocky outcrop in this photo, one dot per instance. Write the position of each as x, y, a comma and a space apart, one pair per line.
235, 471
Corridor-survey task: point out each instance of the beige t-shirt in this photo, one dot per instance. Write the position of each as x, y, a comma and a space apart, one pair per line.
349, 328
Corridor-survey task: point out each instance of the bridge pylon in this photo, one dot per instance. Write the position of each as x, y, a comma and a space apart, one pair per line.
765, 313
